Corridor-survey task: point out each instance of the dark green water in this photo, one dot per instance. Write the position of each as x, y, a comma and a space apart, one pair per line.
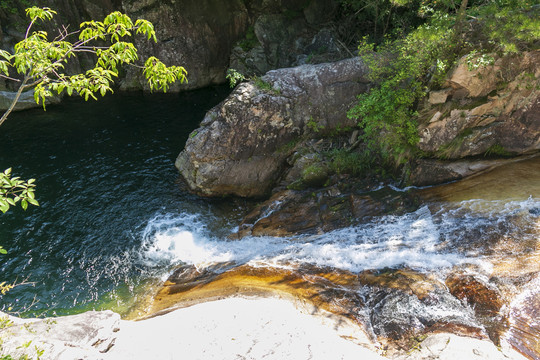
104, 170
115, 218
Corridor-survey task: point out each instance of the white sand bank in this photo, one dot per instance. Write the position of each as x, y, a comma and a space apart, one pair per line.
240, 328
227, 329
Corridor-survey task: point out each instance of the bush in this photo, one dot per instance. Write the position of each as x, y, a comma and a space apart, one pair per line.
403, 69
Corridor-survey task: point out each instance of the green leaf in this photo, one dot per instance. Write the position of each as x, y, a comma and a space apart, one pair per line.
4, 206
24, 204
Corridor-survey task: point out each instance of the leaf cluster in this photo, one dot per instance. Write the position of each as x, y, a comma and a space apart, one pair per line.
14, 190
235, 77
42, 59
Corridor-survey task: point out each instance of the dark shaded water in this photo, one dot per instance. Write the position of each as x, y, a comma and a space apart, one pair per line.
115, 220
104, 170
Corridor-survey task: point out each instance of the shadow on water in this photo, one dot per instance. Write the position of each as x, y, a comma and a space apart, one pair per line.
114, 221
103, 169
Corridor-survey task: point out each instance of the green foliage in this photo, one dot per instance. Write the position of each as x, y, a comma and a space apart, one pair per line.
380, 19
41, 59
4, 287
403, 69
234, 77
497, 150
265, 85
11, 6
250, 40
160, 76
314, 125
350, 162
509, 25
14, 190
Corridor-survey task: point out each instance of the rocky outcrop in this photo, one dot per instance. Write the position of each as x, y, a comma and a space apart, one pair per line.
26, 101
197, 34
200, 35
376, 300
492, 110
278, 41
83, 336
242, 144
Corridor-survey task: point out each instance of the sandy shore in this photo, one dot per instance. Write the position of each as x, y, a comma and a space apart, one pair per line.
243, 328
252, 328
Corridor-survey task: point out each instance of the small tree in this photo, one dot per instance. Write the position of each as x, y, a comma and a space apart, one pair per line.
13, 190
41, 61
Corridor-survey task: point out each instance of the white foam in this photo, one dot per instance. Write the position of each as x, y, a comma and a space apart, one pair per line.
411, 240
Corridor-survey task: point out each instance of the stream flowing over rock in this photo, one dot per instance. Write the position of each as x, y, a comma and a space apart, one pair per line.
242, 145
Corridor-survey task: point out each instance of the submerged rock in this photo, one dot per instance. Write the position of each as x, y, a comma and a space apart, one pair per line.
524, 332
242, 145
291, 212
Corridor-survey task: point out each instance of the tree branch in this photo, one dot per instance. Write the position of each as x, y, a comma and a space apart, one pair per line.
9, 78
15, 100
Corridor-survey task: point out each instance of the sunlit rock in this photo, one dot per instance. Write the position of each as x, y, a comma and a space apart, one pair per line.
452, 347
242, 145
524, 332
492, 110
87, 335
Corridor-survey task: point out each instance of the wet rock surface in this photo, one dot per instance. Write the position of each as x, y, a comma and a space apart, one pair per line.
524, 332
392, 305
291, 212
427, 172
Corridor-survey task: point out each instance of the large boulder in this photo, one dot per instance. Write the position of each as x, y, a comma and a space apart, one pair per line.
243, 143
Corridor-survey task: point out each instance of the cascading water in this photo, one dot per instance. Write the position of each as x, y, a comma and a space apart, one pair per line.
114, 220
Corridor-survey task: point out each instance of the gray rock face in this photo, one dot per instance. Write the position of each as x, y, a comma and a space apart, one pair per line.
494, 110
26, 101
197, 34
83, 336
241, 146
